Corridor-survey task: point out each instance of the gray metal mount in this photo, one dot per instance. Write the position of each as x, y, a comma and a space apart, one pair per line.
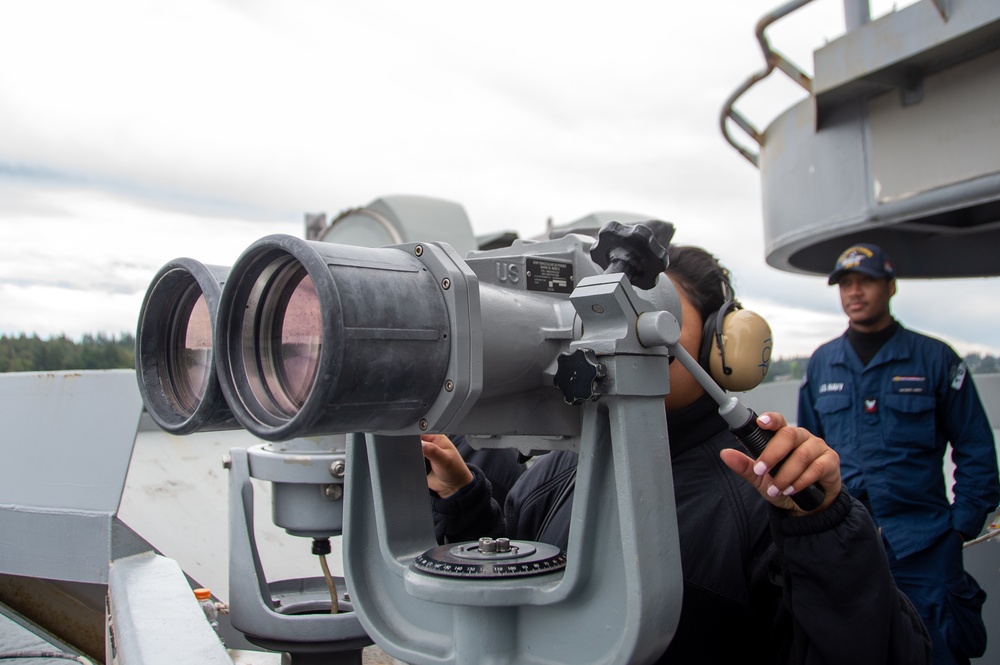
253, 609
620, 555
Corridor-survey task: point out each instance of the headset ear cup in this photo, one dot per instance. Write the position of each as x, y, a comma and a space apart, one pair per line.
711, 338
747, 341
707, 343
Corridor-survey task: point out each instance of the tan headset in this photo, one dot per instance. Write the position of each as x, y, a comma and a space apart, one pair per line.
735, 345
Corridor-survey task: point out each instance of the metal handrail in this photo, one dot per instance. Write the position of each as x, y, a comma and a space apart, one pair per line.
989, 535
774, 60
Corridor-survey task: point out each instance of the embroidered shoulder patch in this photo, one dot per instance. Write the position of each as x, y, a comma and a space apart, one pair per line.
958, 376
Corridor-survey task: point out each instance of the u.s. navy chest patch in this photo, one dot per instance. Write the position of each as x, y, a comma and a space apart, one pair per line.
831, 388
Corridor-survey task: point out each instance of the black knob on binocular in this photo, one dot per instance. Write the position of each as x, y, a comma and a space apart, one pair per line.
638, 250
578, 376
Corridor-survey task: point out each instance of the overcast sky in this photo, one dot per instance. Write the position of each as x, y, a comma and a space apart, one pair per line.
135, 132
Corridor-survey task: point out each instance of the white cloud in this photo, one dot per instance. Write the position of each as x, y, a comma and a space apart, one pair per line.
74, 261
192, 127
797, 331
51, 311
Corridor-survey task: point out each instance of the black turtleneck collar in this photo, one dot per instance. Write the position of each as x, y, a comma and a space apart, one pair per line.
693, 425
866, 345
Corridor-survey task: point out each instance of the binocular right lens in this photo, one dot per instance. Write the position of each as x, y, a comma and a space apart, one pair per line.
317, 338
299, 342
279, 337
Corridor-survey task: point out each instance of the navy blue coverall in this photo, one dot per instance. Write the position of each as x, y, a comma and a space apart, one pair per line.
890, 422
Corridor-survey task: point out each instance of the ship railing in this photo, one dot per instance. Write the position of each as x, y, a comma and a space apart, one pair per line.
773, 60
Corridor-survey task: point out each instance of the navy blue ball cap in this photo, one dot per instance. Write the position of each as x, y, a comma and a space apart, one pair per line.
863, 258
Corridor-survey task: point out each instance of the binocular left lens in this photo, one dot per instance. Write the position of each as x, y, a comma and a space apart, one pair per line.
174, 349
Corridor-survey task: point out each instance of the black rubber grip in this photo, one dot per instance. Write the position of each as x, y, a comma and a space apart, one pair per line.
751, 435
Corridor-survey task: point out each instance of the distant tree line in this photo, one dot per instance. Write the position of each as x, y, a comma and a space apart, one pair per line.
794, 368
787, 369
33, 354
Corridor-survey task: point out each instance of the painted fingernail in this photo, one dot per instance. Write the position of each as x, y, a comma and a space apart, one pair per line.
760, 468
789, 490
765, 419
773, 491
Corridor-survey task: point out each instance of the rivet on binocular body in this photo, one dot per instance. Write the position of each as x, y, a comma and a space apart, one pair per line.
423, 424
333, 492
445, 283
337, 469
418, 250
449, 385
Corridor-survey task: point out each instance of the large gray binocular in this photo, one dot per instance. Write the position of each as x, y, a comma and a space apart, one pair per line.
558, 344
302, 338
